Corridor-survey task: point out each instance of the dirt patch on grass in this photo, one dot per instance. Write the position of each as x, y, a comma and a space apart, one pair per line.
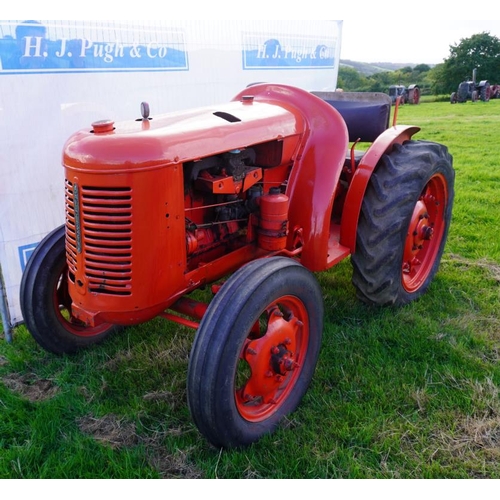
482, 433
115, 362
117, 432
161, 396
492, 267
474, 443
170, 465
474, 439
30, 387
110, 430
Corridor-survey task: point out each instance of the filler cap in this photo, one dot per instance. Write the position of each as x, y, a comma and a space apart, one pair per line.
103, 126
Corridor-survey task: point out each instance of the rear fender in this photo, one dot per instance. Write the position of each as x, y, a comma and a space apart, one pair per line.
354, 198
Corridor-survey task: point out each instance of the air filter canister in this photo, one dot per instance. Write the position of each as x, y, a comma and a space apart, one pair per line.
273, 225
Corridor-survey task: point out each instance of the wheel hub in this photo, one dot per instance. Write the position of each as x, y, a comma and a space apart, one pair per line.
424, 234
282, 360
273, 363
421, 230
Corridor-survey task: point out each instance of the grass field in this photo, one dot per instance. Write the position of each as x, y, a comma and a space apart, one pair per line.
398, 393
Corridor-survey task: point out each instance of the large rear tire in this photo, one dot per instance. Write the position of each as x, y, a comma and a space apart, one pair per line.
404, 223
416, 95
255, 351
485, 93
46, 304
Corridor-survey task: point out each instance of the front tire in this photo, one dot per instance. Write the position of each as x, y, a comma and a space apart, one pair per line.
404, 223
255, 351
46, 304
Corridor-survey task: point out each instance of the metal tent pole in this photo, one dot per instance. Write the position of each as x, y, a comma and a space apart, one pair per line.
4, 310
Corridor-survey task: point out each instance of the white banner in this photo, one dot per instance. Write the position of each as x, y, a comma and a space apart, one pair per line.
57, 77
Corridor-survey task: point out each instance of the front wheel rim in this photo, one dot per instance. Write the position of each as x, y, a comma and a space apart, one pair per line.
272, 358
425, 233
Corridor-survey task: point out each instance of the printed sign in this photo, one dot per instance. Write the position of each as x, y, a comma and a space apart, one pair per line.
265, 52
33, 47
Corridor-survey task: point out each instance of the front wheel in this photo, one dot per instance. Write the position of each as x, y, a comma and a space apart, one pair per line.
46, 303
255, 351
404, 223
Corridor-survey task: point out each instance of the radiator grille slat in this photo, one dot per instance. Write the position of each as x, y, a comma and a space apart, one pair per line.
106, 233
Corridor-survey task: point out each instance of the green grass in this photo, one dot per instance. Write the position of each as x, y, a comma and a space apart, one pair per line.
398, 393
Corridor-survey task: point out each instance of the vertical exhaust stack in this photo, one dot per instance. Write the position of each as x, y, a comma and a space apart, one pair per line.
474, 76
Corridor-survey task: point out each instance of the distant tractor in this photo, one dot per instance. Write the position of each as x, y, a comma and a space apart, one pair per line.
470, 90
409, 94
495, 92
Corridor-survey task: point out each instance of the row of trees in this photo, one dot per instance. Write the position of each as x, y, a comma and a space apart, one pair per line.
481, 51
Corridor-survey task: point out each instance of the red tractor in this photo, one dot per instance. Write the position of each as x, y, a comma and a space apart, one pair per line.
410, 94
250, 198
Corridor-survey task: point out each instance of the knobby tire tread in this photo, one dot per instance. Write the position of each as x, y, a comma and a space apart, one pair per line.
388, 205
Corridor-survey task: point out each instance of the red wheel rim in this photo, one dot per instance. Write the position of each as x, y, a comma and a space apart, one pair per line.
62, 308
271, 359
425, 233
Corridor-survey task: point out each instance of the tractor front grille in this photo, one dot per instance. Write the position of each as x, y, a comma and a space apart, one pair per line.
99, 225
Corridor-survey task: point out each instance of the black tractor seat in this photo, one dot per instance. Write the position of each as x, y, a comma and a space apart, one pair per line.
366, 114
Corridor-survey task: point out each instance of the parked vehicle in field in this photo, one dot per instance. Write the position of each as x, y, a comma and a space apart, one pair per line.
495, 91
250, 198
472, 91
410, 94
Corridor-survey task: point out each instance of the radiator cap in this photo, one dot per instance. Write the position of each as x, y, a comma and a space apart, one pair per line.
103, 126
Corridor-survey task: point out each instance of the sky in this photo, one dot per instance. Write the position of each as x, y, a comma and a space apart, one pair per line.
423, 41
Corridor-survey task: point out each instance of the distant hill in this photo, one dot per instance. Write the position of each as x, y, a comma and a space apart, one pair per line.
368, 69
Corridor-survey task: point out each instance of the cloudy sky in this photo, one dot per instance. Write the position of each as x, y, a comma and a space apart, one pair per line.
421, 41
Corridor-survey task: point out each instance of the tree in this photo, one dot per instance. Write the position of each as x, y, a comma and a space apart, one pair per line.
436, 80
481, 51
421, 68
349, 79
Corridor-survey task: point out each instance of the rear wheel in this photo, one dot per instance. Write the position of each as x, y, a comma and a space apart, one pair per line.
416, 95
463, 92
485, 93
46, 304
404, 223
255, 351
